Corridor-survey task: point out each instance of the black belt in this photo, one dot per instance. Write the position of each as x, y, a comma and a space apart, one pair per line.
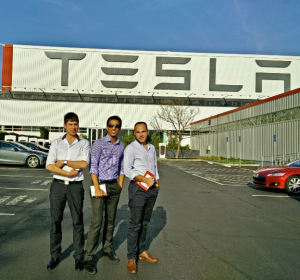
108, 182
66, 182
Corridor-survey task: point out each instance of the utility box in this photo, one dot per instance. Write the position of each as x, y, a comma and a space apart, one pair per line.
33, 140
11, 138
41, 142
162, 150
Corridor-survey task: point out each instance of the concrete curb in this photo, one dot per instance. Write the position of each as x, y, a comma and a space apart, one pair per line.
208, 161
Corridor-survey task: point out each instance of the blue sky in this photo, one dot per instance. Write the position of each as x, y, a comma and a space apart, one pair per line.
215, 26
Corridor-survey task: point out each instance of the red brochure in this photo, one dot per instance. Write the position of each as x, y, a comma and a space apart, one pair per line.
144, 185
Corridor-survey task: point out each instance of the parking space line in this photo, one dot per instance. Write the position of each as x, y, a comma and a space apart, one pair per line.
208, 179
24, 189
6, 214
16, 200
29, 200
24, 176
267, 195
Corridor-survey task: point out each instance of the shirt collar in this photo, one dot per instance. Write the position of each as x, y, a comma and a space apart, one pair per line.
78, 138
141, 144
107, 138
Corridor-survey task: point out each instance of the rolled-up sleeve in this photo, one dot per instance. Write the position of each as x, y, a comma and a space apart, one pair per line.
85, 152
129, 169
95, 157
52, 157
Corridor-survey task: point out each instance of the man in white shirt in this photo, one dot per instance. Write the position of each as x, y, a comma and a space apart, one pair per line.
68, 155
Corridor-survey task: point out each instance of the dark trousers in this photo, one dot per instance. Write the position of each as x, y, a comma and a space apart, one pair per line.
109, 204
59, 194
141, 204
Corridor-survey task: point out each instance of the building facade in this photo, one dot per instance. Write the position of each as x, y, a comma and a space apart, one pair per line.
41, 84
266, 130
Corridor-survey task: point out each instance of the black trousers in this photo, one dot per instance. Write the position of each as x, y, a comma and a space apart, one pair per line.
109, 203
59, 195
141, 204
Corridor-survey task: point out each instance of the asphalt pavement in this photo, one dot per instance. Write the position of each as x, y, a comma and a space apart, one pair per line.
209, 222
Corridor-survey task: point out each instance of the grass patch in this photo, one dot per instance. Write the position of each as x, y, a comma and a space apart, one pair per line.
224, 160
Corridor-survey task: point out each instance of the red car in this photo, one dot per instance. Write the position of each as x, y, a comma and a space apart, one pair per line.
286, 176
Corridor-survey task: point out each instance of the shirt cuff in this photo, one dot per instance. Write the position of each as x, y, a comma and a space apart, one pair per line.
94, 171
133, 175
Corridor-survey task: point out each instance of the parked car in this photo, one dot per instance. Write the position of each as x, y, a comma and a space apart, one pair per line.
47, 145
15, 153
286, 176
33, 146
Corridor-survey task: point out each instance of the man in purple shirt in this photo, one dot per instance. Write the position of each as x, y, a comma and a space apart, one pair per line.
105, 168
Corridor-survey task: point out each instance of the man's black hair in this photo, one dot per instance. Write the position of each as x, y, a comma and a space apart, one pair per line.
141, 123
114, 118
71, 117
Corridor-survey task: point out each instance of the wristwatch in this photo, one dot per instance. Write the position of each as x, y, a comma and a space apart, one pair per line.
65, 162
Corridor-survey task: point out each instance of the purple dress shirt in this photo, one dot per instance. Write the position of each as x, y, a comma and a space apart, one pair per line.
107, 159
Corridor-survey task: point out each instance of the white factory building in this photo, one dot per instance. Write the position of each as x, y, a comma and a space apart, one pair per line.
41, 84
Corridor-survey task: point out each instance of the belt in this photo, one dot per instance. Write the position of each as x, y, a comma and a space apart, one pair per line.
137, 182
108, 181
65, 182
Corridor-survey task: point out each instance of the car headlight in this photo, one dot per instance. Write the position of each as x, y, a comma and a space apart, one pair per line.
276, 174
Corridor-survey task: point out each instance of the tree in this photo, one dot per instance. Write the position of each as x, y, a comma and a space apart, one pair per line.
176, 115
44, 132
127, 138
83, 136
155, 139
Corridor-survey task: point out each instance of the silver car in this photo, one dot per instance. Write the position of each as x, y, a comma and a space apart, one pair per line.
15, 153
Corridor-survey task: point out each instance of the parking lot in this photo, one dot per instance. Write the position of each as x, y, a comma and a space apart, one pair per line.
209, 222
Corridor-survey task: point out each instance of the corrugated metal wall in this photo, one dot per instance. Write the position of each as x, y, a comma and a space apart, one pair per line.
256, 141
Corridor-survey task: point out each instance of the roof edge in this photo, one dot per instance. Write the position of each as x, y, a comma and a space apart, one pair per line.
281, 95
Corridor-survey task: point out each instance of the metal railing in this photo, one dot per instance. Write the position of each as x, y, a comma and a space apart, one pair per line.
279, 159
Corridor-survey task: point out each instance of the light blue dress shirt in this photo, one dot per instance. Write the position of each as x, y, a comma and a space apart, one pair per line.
137, 160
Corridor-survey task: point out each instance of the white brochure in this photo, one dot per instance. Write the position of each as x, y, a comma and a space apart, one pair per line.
102, 187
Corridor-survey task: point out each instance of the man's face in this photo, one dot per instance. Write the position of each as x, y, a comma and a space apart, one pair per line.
71, 127
141, 132
113, 128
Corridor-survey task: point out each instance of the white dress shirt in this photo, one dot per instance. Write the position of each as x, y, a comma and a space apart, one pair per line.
60, 149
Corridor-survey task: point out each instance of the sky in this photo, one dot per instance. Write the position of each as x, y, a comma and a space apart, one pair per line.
217, 26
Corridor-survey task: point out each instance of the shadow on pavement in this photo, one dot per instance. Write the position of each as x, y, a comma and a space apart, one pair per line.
157, 223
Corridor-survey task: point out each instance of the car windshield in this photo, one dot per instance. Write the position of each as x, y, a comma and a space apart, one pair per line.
20, 146
295, 163
40, 146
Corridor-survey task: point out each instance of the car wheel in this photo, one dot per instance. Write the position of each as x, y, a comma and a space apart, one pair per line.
292, 184
33, 161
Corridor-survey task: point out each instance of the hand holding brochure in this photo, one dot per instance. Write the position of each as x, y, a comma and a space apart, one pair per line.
68, 168
102, 187
143, 185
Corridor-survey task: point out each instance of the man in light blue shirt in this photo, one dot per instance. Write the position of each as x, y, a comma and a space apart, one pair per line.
140, 157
